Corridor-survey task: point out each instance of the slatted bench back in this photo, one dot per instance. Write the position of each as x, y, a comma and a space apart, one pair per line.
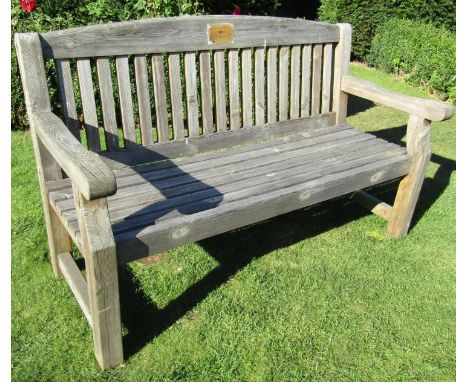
163, 79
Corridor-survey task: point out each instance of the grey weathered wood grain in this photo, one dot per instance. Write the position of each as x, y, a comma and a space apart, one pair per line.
188, 228
418, 146
88, 103
144, 107
159, 86
283, 83
191, 92
176, 96
126, 102
107, 103
259, 86
222, 145
342, 57
178, 34
102, 279
185, 179
134, 209
76, 282
220, 90
91, 176
419, 107
192, 146
32, 71
306, 71
272, 84
150, 205
247, 118
67, 96
294, 106
136, 202
327, 78
234, 106
201, 167
316, 79
206, 93
194, 176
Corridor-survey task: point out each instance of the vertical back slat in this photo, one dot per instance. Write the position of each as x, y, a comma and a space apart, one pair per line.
67, 96
234, 107
126, 103
283, 83
316, 79
272, 86
144, 106
159, 85
342, 57
305, 80
220, 90
176, 96
191, 91
295, 81
247, 118
107, 103
206, 96
260, 86
327, 77
89, 104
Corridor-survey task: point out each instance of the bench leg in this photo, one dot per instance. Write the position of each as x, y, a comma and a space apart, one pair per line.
408, 191
102, 279
57, 236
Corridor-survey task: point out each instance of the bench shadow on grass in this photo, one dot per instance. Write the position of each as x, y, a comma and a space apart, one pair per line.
236, 249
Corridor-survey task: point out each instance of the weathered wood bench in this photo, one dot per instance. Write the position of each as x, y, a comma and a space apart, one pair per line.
250, 124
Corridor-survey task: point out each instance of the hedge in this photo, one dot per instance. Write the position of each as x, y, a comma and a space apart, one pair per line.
366, 15
61, 14
421, 53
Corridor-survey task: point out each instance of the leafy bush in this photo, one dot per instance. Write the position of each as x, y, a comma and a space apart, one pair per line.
421, 53
366, 15
62, 14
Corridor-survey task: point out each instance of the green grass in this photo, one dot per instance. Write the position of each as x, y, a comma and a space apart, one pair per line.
315, 295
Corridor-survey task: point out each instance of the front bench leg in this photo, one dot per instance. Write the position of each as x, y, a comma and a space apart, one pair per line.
419, 150
99, 252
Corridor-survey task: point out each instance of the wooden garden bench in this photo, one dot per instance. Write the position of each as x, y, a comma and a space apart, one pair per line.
249, 123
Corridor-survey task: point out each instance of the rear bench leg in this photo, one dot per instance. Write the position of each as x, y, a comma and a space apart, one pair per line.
419, 150
59, 240
101, 270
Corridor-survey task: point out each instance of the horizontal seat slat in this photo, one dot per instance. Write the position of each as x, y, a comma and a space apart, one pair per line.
170, 193
277, 135
179, 196
126, 216
179, 34
264, 155
171, 233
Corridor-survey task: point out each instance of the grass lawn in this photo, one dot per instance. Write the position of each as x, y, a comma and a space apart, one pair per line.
314, 295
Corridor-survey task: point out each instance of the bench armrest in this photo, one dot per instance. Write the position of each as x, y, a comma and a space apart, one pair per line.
92, 177
420, 107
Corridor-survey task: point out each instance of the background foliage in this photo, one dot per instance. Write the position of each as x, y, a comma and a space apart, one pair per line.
419, 52
61, 14
367, 15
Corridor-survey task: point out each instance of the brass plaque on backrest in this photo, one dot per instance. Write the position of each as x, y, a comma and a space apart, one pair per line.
220, 33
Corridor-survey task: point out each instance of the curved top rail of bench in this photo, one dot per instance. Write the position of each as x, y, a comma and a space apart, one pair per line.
183, 33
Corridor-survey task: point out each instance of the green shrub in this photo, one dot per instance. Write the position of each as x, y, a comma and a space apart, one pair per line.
366, 15
421, 53
61, 14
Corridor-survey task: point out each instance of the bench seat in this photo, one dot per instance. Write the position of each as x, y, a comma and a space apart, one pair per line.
164, 204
